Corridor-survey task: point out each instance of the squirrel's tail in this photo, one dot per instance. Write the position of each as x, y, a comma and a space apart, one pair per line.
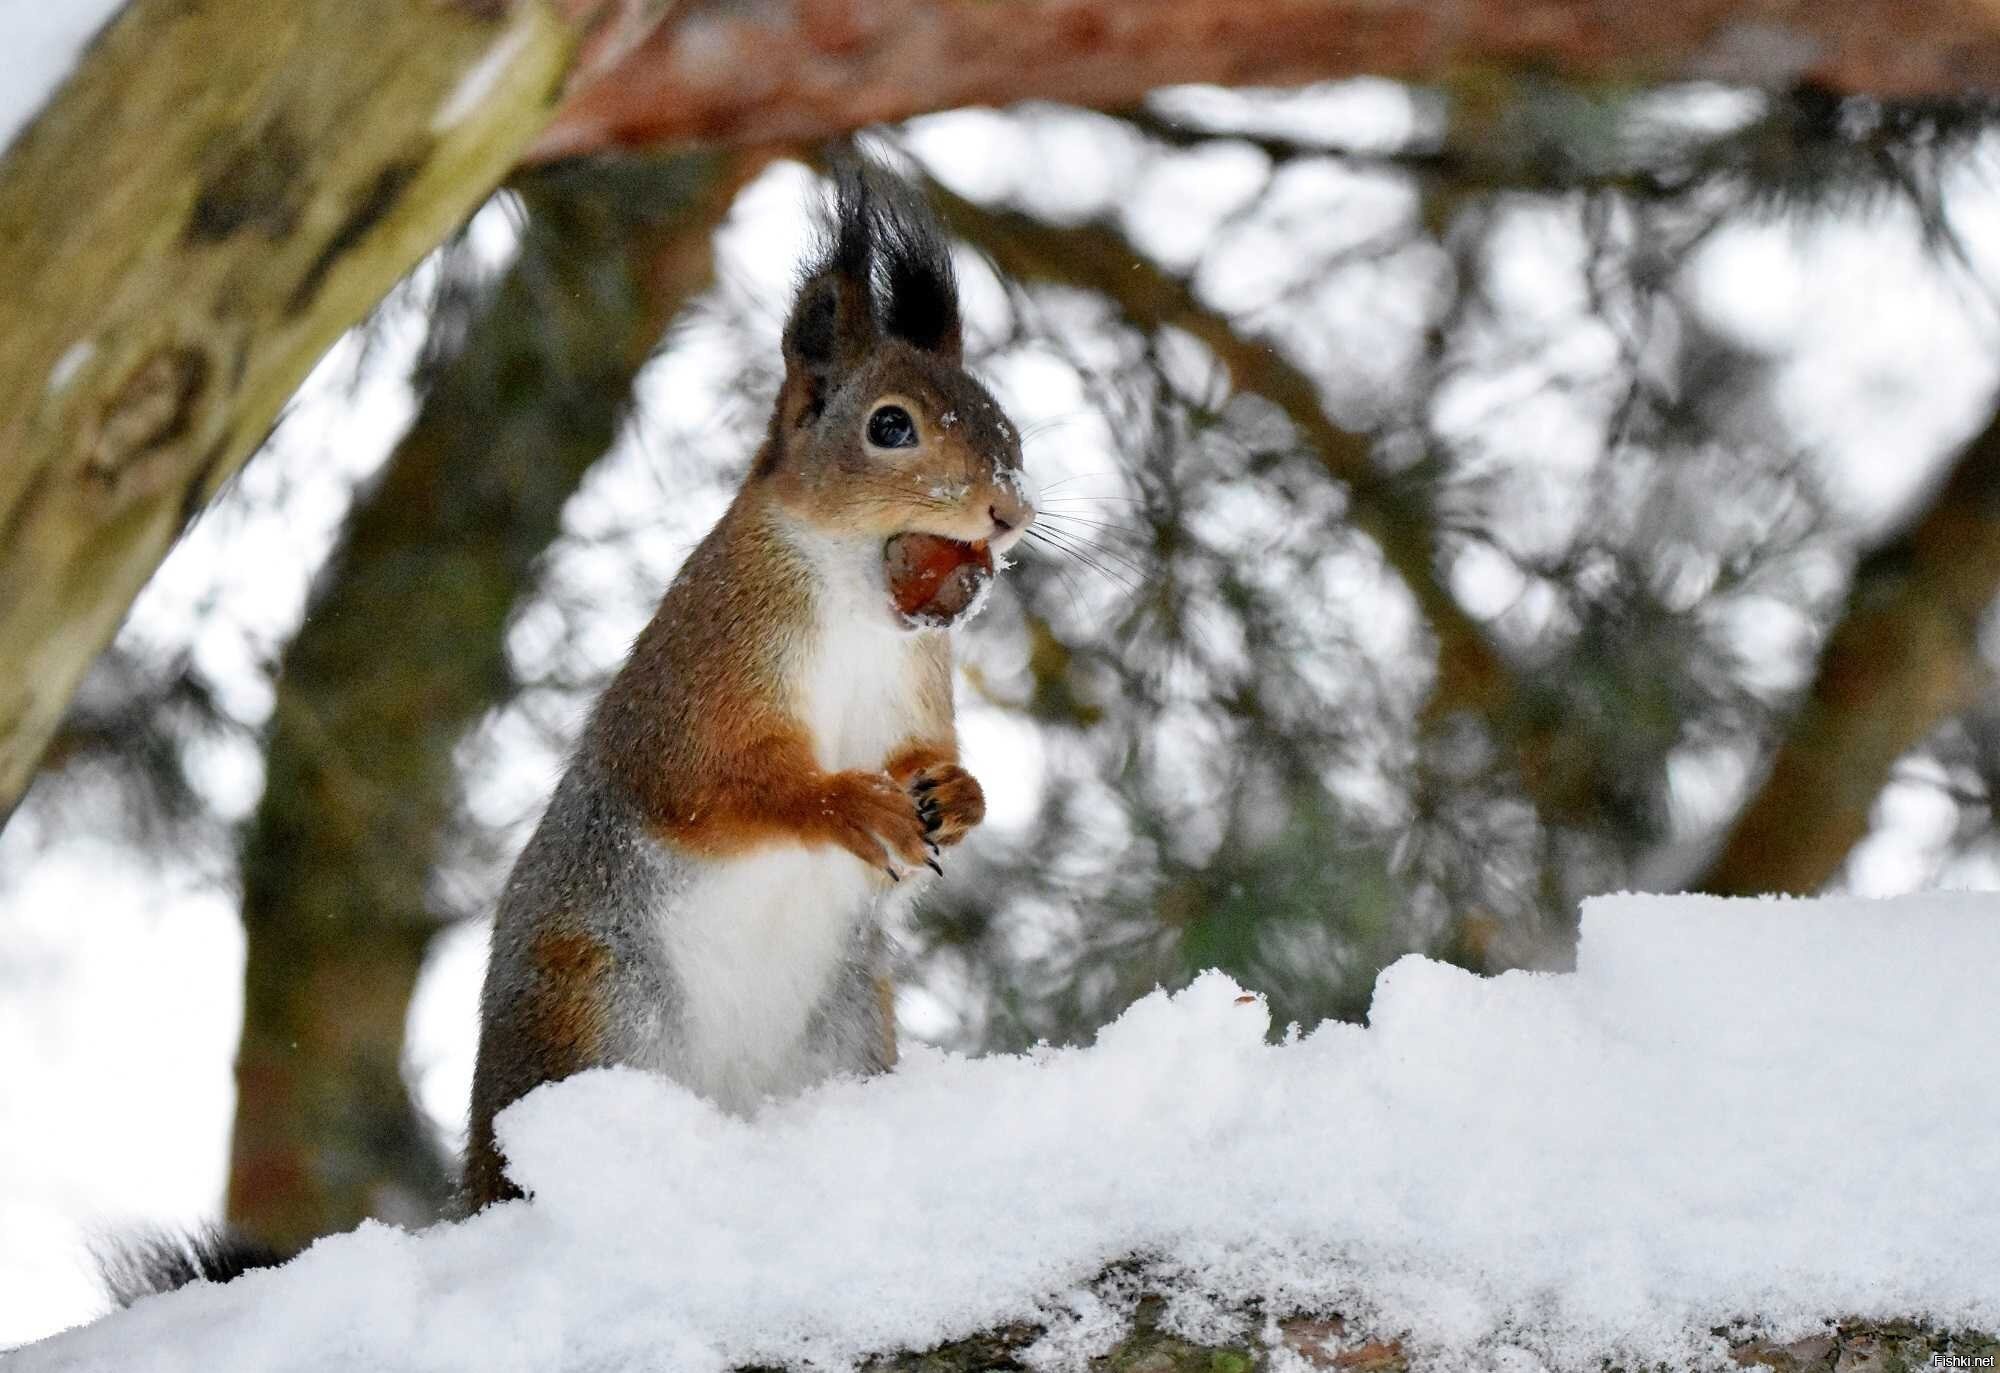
139, 1265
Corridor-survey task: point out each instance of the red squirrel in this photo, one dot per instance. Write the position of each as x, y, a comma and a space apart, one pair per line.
776, 761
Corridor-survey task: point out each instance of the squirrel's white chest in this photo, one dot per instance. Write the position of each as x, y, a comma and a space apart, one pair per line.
763, 941
857, 694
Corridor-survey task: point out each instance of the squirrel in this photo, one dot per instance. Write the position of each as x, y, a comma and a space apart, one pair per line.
776, 763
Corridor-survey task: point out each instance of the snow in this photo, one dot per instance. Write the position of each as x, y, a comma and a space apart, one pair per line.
42, 42
982, 593
1745, 1114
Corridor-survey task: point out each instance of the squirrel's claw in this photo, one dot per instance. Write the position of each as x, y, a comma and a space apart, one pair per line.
949, 802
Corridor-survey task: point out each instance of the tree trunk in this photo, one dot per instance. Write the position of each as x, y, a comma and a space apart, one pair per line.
401, 651
215, 194
1903, 658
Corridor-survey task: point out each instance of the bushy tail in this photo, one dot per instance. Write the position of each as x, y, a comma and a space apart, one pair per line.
140, 1265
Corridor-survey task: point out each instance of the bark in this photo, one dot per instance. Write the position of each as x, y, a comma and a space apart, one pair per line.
214, 195
1329, 1342
401, 651
1903, 658
726, 70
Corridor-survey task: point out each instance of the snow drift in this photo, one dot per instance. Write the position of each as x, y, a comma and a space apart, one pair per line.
1750, 1114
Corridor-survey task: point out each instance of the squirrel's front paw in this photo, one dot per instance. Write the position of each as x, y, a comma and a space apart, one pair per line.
949, 801
872, 817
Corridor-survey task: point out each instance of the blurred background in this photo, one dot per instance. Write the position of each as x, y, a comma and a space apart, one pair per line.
1460, 500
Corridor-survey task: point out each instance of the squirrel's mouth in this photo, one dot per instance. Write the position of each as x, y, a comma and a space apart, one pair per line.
934, 580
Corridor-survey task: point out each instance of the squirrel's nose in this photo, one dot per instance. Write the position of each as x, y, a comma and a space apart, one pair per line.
1011, 515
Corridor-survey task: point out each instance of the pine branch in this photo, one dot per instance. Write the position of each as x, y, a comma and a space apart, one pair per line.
1392, 512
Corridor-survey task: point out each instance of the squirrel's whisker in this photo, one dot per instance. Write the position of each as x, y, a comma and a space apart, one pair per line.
1111, 525
1060, 482
1043, 426
1062, 543
1076, 540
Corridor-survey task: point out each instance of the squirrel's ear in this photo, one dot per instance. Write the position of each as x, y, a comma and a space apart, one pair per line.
832, 326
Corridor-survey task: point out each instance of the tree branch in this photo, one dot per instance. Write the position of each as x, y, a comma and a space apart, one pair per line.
1332, 1342
767, 72
1903, 658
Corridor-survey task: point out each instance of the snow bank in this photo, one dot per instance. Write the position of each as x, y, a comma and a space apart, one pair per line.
1765, 1112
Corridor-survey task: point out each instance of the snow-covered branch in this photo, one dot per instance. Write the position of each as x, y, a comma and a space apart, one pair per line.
1734, 1125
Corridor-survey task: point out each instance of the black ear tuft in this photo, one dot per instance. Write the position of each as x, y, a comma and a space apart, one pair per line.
813, 332
882, 267
851, 249
920, 290
832, 324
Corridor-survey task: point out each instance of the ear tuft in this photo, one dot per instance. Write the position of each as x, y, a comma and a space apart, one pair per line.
851, 247
832, 324
813, 333
882, 267
920, 290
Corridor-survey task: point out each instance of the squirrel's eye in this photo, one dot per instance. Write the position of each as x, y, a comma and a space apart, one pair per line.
891, 427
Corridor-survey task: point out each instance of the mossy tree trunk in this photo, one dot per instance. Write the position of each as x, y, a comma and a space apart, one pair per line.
402, 649
215, 194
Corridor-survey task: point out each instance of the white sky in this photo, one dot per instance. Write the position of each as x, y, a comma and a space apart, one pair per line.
119, 979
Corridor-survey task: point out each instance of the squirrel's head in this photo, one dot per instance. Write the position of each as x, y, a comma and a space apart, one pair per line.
879, 430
